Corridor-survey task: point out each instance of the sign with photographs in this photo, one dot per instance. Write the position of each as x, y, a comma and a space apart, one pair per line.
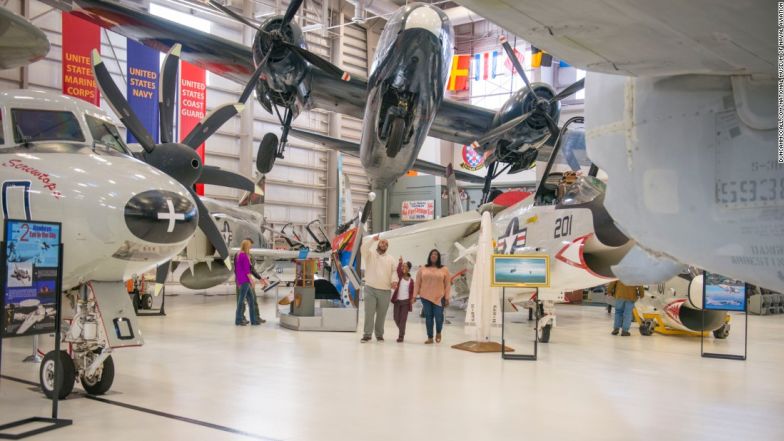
721, 293
521, 270
32, 269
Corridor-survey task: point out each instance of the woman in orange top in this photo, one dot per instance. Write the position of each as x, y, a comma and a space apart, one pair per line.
432, 286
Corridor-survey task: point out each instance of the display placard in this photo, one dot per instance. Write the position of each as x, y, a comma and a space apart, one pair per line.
721, 293
417, 211
521, 270
33, 267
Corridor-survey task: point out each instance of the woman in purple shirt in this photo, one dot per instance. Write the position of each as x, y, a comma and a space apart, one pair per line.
242, 272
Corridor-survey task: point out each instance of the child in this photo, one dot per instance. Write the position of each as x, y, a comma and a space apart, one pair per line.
403, 297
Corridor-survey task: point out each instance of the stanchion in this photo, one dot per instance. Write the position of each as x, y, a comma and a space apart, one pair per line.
34, 357
504, 354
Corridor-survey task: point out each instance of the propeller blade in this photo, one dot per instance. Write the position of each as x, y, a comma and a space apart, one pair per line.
317, 61
167, 91
119, 104
500, 130
253, 80
513, 58
551, 124
210, 124
215, 176
209, 229
570, 90
160, 276
291, 10
234, 15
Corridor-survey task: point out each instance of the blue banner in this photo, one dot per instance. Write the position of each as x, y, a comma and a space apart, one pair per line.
143, 71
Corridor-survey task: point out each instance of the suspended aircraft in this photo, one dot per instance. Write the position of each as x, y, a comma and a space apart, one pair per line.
401, 103
22, 42
681, 117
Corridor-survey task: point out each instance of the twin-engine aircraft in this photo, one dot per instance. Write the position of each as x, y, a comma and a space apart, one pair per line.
401, 103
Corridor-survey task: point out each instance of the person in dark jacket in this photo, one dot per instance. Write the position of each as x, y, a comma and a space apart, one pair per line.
625, 296
403, 297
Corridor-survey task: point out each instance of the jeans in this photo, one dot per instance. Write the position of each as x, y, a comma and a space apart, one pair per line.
623, 314
245, 296
400, 314
255, 303
376, 306
433, 312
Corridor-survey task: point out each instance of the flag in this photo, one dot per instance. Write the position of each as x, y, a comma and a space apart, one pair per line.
458, 74
540, 58
563, 64
508, 61
142, 77
78, 39
485, 64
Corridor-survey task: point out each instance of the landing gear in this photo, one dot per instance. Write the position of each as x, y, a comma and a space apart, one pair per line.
146, 301
396, 135
723, 332
65, 378
647, 326
544, 334
268, 151
101, 379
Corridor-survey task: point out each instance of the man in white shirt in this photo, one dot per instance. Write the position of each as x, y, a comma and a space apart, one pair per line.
380, 280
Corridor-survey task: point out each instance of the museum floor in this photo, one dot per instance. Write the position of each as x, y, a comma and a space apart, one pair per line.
199, 377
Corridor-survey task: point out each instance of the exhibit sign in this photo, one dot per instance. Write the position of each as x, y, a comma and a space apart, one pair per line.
417, 211
193, 104
721, 293
142, 74
33, 269
520, 270
79, 38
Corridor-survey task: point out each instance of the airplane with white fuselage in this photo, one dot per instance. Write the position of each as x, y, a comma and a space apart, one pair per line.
681, 116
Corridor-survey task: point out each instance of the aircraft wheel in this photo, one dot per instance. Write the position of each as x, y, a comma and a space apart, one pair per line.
146, 301
137, 300
103, 382
544, 335
66, 378
723, 332
268, 150
647, 326
395, 138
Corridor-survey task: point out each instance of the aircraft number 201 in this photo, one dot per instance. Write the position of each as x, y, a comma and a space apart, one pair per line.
563, 227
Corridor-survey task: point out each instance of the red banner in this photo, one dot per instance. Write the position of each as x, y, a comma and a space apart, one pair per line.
193, 103
79, 38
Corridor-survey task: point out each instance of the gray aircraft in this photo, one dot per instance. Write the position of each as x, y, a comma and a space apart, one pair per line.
401, 103
21, 43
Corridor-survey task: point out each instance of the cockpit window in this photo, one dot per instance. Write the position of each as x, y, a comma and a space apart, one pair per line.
105, 133
30, 125
583, 190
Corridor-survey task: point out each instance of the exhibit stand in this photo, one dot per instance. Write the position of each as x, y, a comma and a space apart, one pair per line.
31, 280
504, 349
720, 293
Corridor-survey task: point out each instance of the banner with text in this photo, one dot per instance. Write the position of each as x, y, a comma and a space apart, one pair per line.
79, 38
193, 103
142, 75
417, 211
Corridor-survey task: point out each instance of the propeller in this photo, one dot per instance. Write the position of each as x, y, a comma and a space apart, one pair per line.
179, 160
542, 105
277, 37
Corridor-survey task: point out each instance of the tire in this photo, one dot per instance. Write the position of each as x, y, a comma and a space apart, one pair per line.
723, 332
544, 336
268, 150
137, 300
103, 384
647, 327
65, 381
395, 137
146, 302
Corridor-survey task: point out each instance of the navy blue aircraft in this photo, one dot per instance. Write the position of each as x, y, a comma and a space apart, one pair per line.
401, 103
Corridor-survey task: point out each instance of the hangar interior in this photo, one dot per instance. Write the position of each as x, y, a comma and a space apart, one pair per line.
198, 376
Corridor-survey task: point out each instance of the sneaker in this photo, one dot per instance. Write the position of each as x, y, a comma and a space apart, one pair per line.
399, 340
438, 338
380, 338
625, 334
244, 322
256, 324
616, 331
365, 339
429, 341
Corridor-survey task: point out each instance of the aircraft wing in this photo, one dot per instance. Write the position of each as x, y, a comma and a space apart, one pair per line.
280, 254
643, 37
218, 55
352, 148
460, 122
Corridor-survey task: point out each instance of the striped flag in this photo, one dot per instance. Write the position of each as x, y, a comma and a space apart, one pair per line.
485, 65
540, 58
458, 74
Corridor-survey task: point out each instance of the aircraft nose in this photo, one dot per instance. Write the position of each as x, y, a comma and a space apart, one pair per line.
161, 216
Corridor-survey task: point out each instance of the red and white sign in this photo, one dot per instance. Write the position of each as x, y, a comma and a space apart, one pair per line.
79, 38
417, 211
193, 104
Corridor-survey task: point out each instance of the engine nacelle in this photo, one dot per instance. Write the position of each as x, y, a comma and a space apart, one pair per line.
533, 132
284, 69
204, 276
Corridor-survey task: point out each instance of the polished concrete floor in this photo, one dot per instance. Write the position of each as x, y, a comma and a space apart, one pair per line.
201, 378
